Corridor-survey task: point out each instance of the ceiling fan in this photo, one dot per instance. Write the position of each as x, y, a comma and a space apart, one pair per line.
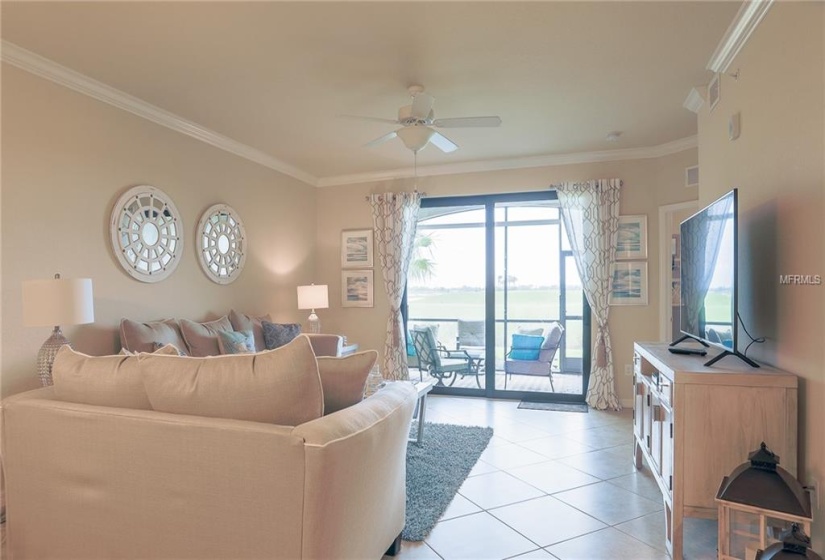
417, 121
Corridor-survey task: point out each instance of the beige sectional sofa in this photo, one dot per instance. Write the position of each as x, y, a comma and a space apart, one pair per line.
100, 482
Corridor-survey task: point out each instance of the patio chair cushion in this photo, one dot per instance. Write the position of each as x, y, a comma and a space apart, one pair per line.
553, 336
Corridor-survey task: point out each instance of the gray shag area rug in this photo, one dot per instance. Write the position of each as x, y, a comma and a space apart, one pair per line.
436, 468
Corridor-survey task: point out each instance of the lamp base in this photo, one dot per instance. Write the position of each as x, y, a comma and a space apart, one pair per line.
45, 357
314, 323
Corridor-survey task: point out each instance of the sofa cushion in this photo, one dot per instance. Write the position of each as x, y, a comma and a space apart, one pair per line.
278, 334
148, 337
236, 342
279, 386
344, 379
202, 338
101, 380
241, 322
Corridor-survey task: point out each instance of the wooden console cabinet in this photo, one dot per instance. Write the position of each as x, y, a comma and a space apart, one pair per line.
693, 425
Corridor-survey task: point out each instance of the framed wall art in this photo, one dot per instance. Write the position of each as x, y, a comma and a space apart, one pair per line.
356, 248
357, 288
628, 283
631, 242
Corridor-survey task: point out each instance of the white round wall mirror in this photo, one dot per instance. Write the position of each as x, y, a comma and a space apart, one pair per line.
146, 230
221, 244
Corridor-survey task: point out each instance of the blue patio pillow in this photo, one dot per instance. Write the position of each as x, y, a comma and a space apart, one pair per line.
526, 347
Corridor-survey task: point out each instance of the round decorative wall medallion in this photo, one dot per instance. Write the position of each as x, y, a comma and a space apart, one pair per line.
147, 233
221, 244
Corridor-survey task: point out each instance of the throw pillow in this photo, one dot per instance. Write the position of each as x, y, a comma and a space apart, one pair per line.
236, 342
101, 380
526, 347
523, 354
279, 387
532, 332
241, 322
344, 379
202, 338
278, 334
145, 337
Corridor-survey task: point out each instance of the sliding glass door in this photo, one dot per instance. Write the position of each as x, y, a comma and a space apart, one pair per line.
494, 282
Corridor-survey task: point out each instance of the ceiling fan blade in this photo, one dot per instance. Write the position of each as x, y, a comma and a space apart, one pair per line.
467, 122
422, 105
443, 143
373, 119
386, 138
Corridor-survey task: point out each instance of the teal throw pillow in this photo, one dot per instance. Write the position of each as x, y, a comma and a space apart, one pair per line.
236, 342
526, 347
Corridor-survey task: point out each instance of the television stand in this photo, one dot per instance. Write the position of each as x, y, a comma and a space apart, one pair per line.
688, 337
731, 353
692, 425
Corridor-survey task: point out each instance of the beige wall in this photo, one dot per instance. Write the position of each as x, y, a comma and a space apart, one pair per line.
66, 160
648, 184
778, 165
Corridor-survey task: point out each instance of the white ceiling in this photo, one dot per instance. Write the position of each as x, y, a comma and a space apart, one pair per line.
276, 76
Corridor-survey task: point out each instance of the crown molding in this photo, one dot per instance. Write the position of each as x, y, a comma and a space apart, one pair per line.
666, 149
695, 99
59, 74
739, 31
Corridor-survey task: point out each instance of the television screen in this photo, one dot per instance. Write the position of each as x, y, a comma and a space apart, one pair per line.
708, 273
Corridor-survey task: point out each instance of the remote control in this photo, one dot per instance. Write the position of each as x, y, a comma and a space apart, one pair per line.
698, 352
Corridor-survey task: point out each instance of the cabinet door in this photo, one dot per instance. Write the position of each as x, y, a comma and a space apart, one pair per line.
647, 415
640, 394
667, 448
656, 416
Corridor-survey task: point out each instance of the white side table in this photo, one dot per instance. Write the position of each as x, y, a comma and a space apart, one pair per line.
423, 388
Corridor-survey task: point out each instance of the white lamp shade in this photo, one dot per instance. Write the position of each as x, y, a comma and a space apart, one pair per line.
415, 137
313, 297
50, 303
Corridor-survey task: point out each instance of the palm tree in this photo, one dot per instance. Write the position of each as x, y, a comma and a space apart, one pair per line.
422, 266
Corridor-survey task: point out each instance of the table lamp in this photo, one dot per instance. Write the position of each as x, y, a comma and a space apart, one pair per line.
53, 303
313, 297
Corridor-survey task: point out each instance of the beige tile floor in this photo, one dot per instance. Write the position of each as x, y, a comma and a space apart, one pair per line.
552, 485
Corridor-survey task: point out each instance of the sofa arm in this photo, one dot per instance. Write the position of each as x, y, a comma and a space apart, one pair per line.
356, 462
326, 344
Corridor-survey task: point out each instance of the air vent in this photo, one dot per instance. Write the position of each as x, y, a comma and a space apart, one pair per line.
692, 176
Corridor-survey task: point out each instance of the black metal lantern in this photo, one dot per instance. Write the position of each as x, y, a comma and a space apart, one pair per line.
795, 545
758, 503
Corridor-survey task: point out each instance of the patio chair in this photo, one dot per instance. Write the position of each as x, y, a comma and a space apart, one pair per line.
470, 335
439, 362
533, 355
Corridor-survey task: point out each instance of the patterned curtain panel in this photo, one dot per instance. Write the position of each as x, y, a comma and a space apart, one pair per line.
395, 217
590, 212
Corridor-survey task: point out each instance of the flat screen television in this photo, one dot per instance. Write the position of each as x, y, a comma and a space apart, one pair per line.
709, 277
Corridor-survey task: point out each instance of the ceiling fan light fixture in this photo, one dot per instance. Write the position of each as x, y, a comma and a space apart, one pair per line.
415, 137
